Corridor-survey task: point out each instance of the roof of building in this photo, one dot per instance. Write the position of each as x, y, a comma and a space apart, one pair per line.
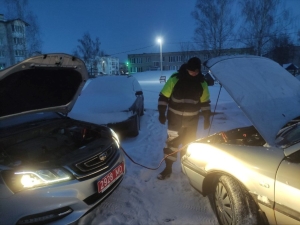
290, 66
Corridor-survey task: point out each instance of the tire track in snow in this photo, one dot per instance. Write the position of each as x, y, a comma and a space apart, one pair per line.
141, 198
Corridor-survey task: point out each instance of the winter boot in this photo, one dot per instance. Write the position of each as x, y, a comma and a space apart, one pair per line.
166, 173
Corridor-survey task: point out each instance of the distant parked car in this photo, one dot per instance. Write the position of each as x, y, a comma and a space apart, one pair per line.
115, 101
53, 169
251, 174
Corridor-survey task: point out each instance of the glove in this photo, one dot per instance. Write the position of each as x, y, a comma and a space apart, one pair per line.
162, 118
206, 123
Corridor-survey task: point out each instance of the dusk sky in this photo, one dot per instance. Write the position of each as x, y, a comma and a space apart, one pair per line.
123, 26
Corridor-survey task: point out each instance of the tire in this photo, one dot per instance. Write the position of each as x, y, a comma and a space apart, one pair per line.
232, 204
135, 127
142, 110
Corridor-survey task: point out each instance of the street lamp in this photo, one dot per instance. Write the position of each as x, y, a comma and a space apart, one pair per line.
159, 40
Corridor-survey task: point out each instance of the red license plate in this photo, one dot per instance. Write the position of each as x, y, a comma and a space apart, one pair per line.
106, 181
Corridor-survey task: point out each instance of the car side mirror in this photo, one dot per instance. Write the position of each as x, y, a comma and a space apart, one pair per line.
138, 93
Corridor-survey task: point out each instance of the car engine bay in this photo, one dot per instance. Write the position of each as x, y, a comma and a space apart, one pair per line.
52, 143
247, 136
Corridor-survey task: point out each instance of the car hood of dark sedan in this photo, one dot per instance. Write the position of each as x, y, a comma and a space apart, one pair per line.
49, 82
267, 93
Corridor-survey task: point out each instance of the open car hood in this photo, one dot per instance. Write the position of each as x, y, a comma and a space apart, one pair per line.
267, 93
49, 82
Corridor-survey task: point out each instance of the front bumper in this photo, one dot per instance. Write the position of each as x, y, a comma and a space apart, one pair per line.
69, 200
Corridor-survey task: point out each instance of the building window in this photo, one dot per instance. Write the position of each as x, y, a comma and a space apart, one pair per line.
147, 59
157, 64
173, 67
186, 58
136, 60
19, 53
17, 28
18, 41
176, 58
2, 66
2, 53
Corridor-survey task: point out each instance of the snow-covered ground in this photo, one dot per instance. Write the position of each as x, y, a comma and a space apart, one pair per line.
143, 199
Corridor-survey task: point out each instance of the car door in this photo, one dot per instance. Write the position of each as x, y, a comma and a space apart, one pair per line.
287, 190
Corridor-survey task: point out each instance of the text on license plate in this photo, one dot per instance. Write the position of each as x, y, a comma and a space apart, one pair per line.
106, 181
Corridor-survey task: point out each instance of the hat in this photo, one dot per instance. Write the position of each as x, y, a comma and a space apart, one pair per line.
193, 64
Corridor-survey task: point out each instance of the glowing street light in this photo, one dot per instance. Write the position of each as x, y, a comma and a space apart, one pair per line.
159, 40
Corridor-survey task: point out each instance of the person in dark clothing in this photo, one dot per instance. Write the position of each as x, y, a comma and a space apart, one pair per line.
180, 101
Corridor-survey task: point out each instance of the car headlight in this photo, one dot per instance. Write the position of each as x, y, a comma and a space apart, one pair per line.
20, 180
115, 137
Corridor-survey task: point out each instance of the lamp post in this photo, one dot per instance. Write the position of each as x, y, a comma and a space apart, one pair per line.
159, 40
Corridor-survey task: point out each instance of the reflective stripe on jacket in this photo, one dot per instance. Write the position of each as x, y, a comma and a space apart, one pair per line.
184, 97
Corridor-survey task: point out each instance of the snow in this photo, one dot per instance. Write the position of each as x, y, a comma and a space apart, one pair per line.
268, 80
143, 199
97, 97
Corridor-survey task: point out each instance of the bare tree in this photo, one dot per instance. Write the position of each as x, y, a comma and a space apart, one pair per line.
88, 49
282, 49
214, 24
263, 21
19, 9
33, 37
186, 47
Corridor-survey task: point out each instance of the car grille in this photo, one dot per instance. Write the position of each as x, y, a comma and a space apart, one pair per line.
97, 163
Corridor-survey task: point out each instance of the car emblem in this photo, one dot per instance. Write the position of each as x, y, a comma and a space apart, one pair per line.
102, 157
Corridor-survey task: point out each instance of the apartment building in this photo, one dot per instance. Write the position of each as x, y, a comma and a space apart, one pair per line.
104, 65
110, 65
12, 41
173, 60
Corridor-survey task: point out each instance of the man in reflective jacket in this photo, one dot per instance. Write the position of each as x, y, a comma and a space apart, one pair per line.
183, 96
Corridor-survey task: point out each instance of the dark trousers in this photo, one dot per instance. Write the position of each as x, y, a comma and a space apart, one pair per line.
178, 138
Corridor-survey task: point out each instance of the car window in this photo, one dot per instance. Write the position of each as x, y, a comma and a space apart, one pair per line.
289, 135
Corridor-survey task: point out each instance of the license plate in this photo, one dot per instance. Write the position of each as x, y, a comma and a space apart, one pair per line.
106, 181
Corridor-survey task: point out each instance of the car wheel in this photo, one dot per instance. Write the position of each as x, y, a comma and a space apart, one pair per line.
232, 203
135, 127
142, 111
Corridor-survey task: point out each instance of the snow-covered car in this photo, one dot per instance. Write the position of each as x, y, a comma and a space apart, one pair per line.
53, 169
115, 101
251, 174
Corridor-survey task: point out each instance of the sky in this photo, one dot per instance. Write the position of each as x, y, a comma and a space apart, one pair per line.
123, 26
141, 198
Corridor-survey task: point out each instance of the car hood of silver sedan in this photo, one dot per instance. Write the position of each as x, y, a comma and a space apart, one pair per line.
48, 82
267, 94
